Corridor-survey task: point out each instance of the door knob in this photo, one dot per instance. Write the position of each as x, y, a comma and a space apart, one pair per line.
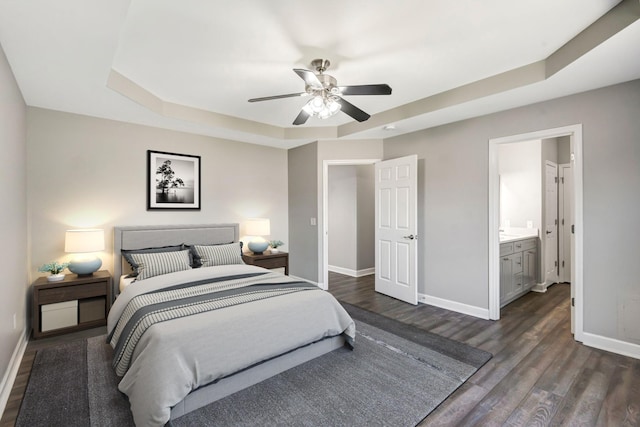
549, 232
410, 237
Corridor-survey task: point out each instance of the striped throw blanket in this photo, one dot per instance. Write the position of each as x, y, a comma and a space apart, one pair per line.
143, 311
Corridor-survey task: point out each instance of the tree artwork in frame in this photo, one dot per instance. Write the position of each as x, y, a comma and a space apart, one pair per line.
173, 181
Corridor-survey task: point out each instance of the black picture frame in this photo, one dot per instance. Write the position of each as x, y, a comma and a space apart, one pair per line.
173, 181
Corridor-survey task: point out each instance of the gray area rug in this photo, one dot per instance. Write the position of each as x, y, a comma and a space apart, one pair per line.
396, 375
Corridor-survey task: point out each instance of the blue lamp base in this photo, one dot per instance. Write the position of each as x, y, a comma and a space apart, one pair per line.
258, 247
85, 267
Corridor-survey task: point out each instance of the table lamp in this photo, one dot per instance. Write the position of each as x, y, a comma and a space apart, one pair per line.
82, 243
256, 228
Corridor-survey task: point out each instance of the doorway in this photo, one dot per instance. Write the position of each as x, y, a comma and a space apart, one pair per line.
574, 133
326, 215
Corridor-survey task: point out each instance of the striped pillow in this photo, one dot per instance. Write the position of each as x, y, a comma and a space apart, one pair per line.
230, 253
155, 264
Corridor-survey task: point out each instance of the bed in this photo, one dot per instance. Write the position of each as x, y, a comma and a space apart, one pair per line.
175, 355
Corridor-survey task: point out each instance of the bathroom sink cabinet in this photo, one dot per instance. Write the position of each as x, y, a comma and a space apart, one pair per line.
518, 261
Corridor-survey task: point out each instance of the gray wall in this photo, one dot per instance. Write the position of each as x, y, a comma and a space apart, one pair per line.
520, 190
564, 150
90, 172
13, 226
351, 217
303, 205
550, 150
343, 217
366, 217
306, 167
453, 199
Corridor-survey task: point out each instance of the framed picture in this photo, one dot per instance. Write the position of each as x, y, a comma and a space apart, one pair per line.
173, 181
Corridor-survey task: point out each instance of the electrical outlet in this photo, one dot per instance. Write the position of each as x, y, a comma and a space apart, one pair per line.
313, 221
15, 323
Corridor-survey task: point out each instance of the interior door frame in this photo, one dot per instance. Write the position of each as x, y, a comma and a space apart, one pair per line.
575, 134
323, 238
562, 214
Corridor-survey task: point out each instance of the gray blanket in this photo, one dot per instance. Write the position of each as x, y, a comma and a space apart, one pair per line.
171, 358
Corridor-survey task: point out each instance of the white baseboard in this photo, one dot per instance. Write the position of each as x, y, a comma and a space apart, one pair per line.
482, 313
352, 273
12, 370
611, 344
320, 285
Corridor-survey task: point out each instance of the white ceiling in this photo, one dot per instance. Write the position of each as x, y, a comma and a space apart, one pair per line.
191, 65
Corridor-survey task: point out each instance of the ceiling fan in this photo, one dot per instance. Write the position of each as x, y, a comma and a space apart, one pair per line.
327, 95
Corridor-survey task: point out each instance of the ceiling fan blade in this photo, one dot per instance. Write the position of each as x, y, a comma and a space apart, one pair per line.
302, 118
268, 98
352, 110
382, 89
309, 78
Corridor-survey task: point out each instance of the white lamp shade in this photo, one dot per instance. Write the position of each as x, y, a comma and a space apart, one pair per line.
258, 227
79, 241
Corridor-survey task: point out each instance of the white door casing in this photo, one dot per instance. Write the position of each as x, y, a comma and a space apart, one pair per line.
550, 237
577, 238
396, 253
567, 241
323, 238
565, 219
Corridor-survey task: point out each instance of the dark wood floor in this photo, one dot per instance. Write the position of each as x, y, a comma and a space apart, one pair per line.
539, 376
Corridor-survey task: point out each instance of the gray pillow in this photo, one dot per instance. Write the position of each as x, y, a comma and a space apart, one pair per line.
126, 253
197, 261
158, 263
212, 255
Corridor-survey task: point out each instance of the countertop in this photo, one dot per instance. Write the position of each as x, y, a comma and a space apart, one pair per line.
515, 234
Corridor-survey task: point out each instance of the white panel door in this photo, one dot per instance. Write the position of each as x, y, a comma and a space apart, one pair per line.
551, 224
396, 203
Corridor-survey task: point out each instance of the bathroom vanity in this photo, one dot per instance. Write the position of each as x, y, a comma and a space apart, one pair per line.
518, 266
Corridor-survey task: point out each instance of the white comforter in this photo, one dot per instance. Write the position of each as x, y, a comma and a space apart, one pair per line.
175, 357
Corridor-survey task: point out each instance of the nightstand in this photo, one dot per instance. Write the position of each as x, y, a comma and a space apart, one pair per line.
268, 260
75, 302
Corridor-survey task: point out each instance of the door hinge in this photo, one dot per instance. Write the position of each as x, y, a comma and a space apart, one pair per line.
562, 179
563, 264
573, 302
555, 263
562, 221
573, 229
555, 221
555, 179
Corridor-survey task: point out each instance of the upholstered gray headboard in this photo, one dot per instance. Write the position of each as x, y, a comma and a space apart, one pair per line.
150, 236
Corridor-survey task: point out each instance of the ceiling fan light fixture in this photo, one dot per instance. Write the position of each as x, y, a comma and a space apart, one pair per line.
326, 96
317, 104
322, 106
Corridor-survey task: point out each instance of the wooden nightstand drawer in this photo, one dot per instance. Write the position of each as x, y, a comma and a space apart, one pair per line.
268, 260
73, 292
273, 262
